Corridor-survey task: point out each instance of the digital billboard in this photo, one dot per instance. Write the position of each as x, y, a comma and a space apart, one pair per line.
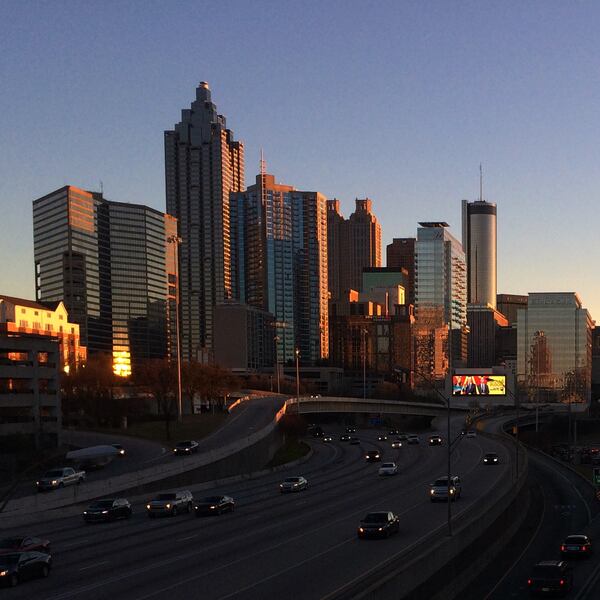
479, 385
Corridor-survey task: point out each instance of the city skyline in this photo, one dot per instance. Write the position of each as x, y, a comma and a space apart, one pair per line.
499, 107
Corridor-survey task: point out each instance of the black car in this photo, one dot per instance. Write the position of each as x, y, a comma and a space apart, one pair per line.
187, 447
214, 505
109, 509
20, 566
24, 543
577, 545
491, 458
350, 429
550, 577
378, 524
373, 456
435, 440
344, 438
393, 432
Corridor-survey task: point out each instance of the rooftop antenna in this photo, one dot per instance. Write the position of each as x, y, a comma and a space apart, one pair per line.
263, 164
480, 183
101, 188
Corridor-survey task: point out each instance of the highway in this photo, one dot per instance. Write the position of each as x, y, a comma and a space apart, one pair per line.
299, 546
246, 418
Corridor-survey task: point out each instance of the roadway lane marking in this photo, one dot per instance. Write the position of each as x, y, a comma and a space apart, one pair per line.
301, 503
73, 545
189, 537
104, 562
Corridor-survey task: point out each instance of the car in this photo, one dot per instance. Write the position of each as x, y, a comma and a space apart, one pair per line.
393, 432
471, 433
318, 433
372, 456
327, 438
378, 524
550, 577
186, 447
350, 429
403, 437
24, 543
491, 458
20, 566
396, 444
435, 440
413, 439
344, 438
577, 545
439, 489
388, 468
354, 441
170, 504
293, 484
382, 438
214, 505
59, 478
120, 449
109, 509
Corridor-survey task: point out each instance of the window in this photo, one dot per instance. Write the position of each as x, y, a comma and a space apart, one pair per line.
23, 323
60, 318
36, 313
23, 311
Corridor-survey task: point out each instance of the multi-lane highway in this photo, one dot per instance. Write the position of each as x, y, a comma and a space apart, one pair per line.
300, 546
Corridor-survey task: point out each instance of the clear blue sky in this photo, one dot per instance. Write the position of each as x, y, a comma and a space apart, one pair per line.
398, 101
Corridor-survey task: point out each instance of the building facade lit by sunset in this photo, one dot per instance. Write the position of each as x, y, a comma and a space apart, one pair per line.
279, 263
19, 316
114, 269
554, 349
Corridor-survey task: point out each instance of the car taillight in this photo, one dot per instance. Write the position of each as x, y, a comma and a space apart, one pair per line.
562, 582
563, 548
583, 548
529, 582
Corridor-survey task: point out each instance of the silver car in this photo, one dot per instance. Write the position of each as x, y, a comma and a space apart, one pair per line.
293, 484
439, 489
170, 503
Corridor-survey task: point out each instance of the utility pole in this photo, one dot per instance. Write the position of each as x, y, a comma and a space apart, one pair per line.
175, 239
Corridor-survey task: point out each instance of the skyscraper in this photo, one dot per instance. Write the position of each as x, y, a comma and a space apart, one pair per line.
114, 269
440, 285
401, 255
355, 245
203, 165
480, 247
279, 258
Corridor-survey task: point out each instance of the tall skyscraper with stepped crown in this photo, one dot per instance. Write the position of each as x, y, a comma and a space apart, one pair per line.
203, 165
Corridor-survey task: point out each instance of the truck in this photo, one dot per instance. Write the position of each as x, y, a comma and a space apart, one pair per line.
59, 478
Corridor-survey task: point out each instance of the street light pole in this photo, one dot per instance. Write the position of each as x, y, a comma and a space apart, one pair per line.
364, 345
174, 239
298, 380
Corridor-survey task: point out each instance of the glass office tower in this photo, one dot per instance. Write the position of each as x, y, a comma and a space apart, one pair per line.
111, 264
554, 349
441, 286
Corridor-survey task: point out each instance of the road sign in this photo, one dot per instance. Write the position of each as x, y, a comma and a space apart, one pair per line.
596, 476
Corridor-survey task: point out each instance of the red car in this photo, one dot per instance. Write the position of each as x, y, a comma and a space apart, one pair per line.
24, 544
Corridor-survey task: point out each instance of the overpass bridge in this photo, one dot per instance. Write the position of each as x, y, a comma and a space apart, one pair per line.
336, 404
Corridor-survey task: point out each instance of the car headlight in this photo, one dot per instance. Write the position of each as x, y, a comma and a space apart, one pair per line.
3, 573
432, 492
37, 483
380, 529
495, 460
148, 506
54, 482
452, 491
361, 529
213, 507
168, 505
281, 485
104, 512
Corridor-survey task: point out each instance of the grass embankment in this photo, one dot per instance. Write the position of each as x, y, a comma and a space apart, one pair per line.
292, 449
194, 427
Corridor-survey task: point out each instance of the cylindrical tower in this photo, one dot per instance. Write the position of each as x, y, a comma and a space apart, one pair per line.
480, 246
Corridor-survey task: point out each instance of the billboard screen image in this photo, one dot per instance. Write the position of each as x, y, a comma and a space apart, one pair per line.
479, 385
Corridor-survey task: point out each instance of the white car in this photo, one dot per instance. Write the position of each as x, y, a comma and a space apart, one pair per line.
293, 484
388, 468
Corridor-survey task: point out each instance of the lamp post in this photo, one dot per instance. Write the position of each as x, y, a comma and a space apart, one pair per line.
364, 332
298, 380
175, 239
